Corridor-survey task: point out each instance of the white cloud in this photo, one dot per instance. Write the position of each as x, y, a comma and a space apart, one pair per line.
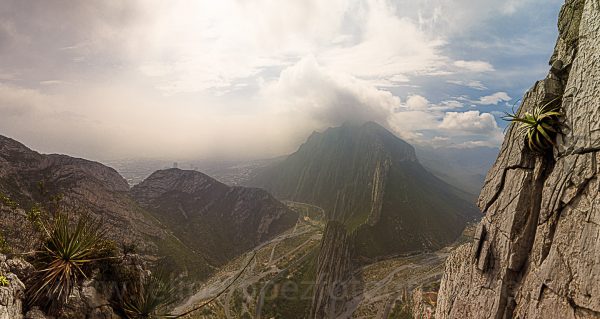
477, 85
417, 102
312, 94
494, 99
470, 121
449, 105
389, 46
309, 90
474, 66
203, 46
254, 75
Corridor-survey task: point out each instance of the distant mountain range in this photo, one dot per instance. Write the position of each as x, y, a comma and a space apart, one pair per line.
377, 198
190, 218
463, 168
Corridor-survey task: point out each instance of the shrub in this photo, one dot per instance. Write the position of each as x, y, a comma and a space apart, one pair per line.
541, 125
4, 247
149, 298
129, 248
35, 215
8, 202
4, 281
67, 248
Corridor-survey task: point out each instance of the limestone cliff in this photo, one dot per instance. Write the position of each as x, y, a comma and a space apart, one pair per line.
536, 253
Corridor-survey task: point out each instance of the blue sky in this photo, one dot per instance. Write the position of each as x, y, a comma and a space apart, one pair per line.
253, 78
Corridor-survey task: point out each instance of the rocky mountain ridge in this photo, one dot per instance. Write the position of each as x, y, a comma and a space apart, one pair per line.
378, 200
86, 187
28, 177
213, 219
536, 252
371, 182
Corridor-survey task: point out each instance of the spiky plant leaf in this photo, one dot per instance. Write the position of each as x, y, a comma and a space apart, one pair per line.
67, 248
150, 298
4, 281
541, 125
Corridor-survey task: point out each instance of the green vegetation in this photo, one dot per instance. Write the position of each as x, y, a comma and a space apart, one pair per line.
4, 281
8, 202
178, 258
4, 247
290, 296
150, 298
66, 250
401, 311
34, 217
541, 125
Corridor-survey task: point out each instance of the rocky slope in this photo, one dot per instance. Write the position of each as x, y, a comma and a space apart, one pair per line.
85, 187
536, 254
216, 221
223, 222
377, 198
278, 282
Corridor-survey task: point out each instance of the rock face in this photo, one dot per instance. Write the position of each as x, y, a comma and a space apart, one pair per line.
216, 221
11, 298
333, 270
12, 295
91, 299
536, 253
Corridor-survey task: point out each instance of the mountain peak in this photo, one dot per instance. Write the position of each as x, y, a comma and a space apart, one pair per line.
174, 179
360, 175
367, 135
215, 219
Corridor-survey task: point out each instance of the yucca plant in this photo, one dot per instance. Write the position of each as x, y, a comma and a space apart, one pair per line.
4, 281
150, 298
541, 125
68, 247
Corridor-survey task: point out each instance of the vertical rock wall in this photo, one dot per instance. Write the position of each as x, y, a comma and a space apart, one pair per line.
537, 251
334, 269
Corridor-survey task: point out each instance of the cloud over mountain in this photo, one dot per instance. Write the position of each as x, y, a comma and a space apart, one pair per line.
115, 79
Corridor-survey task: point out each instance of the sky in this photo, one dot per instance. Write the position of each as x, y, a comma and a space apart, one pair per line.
241, 79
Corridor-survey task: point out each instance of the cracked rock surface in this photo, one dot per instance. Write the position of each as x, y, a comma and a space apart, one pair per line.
536, 254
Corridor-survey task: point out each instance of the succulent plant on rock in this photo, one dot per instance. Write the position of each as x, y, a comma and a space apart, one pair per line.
541, 125
4, 281
68, 247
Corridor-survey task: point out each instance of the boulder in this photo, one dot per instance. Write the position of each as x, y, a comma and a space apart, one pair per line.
11, 298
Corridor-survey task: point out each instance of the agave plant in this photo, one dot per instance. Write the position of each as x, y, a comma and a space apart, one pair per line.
4, 281
150, 298
541, 125
67, 248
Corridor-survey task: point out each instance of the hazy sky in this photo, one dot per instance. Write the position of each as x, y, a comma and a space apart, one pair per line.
253, 78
